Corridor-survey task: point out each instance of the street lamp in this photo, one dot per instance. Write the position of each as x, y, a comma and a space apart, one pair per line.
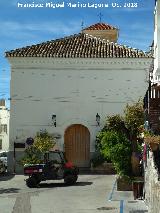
54, 119
98, 119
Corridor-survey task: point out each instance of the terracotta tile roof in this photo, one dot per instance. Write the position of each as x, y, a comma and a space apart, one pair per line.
78, 46
100, 26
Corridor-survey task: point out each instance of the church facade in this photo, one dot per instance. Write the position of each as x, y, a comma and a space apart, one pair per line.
156, 70
4, 126
65, 85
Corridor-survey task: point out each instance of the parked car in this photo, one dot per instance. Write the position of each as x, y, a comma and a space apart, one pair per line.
2, 167
54, 167
3, 157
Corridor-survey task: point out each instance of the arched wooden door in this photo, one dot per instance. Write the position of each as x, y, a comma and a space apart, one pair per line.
77, 145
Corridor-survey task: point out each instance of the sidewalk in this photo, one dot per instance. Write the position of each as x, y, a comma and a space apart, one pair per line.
127, 202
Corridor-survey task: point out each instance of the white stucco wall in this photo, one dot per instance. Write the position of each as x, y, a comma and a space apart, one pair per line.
152, 185
4, 119
156, 71
73, 89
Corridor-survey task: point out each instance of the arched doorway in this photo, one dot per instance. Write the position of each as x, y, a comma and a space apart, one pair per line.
77, 145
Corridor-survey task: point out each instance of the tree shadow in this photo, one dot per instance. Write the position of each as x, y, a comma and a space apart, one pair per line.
138, 211
132, 201
53, 185
6, 176
106, 208
83, 183
9, 190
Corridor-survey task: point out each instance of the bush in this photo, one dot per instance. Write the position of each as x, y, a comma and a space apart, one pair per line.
134, 117
97, 159
121, 158
98, 144
43, 142
117, 147
114, 122
119, 137
32, 156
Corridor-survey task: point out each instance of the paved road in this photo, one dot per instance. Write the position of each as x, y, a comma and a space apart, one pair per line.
91, 194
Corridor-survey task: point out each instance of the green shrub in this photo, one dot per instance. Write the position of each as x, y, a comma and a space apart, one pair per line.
134, 117
118, 138
117, 147
99, 137
99, 159
114, 122
43, 142
32, 156
121, 158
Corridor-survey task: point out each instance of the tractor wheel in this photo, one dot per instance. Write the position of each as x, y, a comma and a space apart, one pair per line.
70, 179
37, 178
31, 182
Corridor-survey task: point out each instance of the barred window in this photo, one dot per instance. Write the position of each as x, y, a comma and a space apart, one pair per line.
3, 128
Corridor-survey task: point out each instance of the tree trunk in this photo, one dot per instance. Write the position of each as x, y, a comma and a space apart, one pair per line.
135, 164
135, 159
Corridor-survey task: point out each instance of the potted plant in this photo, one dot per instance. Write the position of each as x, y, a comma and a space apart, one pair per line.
153, 141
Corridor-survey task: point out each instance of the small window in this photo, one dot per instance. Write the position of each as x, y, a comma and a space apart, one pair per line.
0, 143
3, 128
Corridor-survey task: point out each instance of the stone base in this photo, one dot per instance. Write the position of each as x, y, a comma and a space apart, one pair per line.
123, 184
14, 165
105, 168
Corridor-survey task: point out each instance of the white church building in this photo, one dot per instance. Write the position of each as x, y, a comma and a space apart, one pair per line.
69, 86
4, 126
156, 70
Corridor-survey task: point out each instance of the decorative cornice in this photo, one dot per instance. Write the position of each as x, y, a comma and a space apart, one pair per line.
79, 63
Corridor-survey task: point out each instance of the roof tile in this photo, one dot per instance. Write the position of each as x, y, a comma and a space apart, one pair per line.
100, 26
78, 46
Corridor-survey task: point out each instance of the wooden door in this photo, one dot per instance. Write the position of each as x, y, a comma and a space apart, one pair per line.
77, 145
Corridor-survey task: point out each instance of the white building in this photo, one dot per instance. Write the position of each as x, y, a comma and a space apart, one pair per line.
156, 71
4, 126
71, 80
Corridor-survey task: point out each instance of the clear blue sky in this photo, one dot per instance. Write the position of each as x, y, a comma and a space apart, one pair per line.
26, 26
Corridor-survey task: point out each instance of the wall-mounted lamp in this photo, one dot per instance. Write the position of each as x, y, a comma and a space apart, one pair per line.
98, 119
54, 119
